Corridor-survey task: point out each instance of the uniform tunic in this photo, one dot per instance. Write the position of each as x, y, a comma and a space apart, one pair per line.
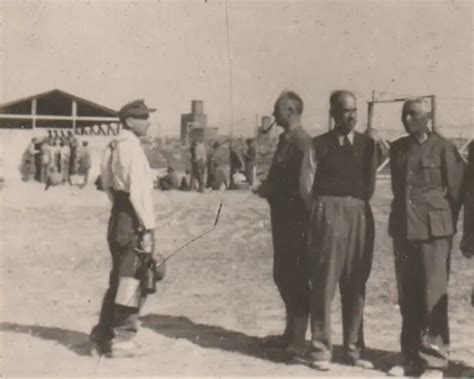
427, 181
127, 180
289, 223
337, 181
467, 244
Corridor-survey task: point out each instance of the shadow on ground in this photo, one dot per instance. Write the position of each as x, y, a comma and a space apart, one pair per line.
216, 337
77, 342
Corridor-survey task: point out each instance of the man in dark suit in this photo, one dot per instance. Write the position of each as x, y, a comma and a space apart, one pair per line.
427, 175
337, 181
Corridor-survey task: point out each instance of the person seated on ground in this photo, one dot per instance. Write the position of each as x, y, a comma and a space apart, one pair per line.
170, 181
54, 178
186, 181
219, 180
239, 181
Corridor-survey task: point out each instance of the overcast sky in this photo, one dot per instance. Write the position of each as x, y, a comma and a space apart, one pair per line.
171, 52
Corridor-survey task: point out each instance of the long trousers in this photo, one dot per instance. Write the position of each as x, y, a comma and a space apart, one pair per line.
118, 322
341, 238
198, 170
289, 225
422, 269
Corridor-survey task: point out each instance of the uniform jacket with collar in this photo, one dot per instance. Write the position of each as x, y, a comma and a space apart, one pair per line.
427, 190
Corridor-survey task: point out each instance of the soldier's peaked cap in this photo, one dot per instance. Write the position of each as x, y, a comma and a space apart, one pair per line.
136, 108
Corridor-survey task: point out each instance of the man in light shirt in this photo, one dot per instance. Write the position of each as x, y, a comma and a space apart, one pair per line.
128, 182
336, 182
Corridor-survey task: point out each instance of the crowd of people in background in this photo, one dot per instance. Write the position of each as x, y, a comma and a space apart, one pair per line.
207, 171
56, 159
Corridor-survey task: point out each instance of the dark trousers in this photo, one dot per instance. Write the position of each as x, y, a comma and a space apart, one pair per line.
118, 322
422, 269
289, 224
249, 167
341, 237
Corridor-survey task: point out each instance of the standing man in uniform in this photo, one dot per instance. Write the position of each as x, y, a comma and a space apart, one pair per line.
250, 156
427, 174
289, 220
467, 244
337, 182
128, 182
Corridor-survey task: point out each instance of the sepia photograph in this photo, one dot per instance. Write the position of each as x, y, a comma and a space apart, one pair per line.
237, 188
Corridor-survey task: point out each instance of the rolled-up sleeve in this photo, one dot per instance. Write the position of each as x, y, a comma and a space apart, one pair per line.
308, 170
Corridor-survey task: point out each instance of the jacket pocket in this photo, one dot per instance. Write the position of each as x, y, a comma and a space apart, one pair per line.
432, 169
441, 223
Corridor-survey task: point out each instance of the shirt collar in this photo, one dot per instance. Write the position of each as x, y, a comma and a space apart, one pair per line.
287, 135
127, 135
340, 137
422, 139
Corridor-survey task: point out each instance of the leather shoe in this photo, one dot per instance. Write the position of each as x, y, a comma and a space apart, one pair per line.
434, 374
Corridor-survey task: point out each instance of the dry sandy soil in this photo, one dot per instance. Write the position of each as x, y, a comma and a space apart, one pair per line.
217, 300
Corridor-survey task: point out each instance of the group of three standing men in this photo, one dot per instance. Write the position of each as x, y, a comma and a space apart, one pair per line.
323, 231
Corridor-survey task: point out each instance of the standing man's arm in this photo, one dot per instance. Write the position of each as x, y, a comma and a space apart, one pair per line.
307, 173
467, 244
453, 173
141, 193
106, 173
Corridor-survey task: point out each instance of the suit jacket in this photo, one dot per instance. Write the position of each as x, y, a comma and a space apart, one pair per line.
427, 184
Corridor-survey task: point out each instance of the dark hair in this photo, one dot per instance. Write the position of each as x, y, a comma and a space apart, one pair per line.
294, 98
335, 95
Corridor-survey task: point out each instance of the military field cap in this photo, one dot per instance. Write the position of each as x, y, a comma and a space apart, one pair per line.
136, 108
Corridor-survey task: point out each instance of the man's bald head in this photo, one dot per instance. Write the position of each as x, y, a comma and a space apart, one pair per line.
415, 116
338, 97
288, 107
343, 105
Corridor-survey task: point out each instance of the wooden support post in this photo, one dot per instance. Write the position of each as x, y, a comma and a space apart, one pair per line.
34, 104
434, 124
370, 117
74, 116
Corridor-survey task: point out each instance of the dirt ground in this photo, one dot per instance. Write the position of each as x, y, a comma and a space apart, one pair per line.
217, 300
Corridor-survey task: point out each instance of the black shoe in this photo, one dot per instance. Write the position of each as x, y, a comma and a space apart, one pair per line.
100, 344
279, 342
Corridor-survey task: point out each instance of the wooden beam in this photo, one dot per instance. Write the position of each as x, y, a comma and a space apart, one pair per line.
400, 99
63, 118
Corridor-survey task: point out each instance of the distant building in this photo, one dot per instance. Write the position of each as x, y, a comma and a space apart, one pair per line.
194, 124
61, 113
